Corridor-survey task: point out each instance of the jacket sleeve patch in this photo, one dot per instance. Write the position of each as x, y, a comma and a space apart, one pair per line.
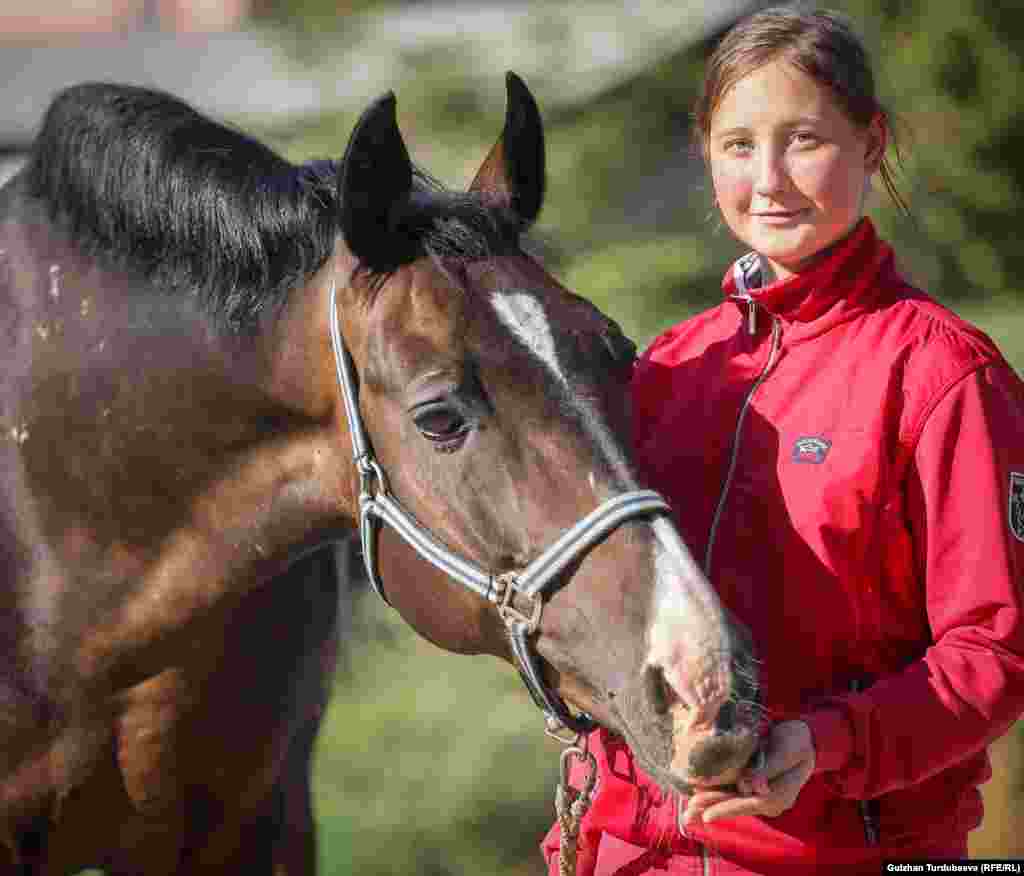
1016, 505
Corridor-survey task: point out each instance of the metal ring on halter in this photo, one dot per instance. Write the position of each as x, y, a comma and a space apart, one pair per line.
370, 472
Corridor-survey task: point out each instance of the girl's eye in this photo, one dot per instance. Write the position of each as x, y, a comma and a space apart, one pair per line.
737, 147
442, 425
805, 138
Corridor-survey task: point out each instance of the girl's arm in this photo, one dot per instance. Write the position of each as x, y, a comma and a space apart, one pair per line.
966, 508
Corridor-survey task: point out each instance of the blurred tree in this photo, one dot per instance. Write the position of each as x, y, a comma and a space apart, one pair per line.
954, 74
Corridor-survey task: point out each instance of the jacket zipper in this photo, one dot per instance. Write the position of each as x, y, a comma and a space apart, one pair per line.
869, 814
773, 352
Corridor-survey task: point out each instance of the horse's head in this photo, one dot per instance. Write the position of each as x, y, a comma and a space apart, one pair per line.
497, 404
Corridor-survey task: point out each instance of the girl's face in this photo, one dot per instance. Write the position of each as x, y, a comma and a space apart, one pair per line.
790, 170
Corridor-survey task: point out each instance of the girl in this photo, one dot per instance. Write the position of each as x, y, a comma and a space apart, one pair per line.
855, 487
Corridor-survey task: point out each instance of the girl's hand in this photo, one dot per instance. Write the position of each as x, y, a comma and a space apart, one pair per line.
769, 790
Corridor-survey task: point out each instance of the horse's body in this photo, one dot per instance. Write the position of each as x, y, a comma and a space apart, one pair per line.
174, 469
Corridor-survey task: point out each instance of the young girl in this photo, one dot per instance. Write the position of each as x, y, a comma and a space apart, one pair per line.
847, 457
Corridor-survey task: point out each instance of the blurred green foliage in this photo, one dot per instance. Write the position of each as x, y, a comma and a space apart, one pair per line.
436, 764
429, 763
310, 17
955, 75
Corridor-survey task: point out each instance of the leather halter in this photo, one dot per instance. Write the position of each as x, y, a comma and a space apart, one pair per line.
527, 586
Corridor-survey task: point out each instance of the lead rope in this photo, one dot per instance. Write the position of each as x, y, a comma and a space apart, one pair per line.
571, 804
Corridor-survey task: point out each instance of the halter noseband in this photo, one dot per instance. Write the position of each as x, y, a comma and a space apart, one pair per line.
527, 586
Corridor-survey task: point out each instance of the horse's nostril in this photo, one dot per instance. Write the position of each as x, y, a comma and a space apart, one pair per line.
715, 757
656, 689
726, 718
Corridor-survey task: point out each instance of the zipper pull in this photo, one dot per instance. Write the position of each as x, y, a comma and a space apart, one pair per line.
747, 299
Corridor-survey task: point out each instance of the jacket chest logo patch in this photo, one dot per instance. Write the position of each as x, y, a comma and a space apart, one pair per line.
814, 449
1017, 505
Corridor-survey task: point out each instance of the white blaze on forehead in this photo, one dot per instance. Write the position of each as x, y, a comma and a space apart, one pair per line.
525, 318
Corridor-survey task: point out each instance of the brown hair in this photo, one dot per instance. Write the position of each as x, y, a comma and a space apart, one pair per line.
820, 43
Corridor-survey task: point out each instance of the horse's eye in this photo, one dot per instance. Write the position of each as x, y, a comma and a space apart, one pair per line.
441, 424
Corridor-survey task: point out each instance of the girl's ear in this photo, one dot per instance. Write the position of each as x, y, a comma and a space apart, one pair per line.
877, 140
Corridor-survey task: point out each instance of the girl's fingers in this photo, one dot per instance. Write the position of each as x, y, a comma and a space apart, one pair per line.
770, 789
700, 801
772, 799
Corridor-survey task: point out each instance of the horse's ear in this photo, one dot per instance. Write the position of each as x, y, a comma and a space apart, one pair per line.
374, 183
513, 174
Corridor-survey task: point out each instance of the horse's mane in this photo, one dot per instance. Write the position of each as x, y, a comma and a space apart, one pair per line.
140, 178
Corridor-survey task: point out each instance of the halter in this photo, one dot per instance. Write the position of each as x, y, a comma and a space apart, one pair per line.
527, 587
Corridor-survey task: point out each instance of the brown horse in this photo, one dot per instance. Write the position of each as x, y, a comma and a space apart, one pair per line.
196, 336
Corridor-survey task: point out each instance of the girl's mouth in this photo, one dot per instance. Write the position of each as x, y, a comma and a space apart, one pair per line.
779, 217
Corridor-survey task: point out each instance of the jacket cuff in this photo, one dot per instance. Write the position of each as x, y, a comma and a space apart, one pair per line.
832, 737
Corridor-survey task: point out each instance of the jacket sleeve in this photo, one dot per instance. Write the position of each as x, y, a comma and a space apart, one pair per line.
965, 503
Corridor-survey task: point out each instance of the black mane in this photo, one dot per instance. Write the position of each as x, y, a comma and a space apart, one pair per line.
140, 178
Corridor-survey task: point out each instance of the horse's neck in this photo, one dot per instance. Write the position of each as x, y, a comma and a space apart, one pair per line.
161, 467
150, 405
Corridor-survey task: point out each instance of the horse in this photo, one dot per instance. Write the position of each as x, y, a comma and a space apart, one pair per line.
217, 366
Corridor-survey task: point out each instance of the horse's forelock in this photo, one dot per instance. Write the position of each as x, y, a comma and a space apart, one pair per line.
451, 228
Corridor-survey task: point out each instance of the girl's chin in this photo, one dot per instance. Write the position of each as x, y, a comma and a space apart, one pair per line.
792, 251
785, 255
794, 246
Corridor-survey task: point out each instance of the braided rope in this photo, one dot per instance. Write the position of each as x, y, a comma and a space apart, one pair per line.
571, 804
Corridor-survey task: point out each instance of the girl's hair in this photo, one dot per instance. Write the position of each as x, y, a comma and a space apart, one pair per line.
820, 43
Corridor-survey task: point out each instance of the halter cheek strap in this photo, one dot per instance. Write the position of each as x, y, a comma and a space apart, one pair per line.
508, 590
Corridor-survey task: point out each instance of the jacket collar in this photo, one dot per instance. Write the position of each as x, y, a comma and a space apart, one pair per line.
836, 288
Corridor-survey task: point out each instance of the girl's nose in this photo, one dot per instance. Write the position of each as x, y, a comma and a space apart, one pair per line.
771, 173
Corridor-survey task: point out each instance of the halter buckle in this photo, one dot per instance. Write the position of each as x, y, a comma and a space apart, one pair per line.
504, 592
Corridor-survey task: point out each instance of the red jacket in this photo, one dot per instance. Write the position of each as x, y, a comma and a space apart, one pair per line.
870, 534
